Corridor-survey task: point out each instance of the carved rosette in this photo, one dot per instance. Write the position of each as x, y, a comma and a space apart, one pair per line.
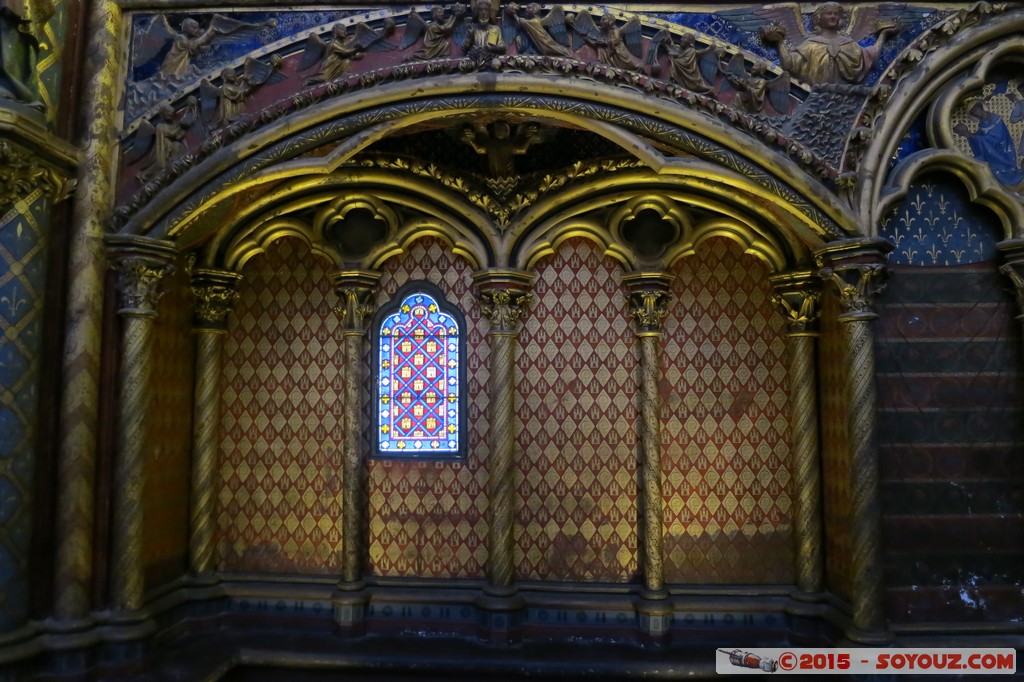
214, 293
1013, 268
503, 296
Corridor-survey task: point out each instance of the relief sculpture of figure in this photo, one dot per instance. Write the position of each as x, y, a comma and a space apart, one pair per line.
501, 143
435, 34
618, 47
182, 47
483, 38
688, 66
335, 57
992, 143
225, 103
831, 53
535, 34
756, 87
21, 25
162, 142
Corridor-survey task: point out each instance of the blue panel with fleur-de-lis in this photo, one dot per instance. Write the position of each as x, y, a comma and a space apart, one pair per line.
937, 225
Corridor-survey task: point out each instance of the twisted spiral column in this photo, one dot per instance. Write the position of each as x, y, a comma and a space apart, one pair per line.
355, 288
140, 263
503, 299
649, 299
214, 293
857, 268
797, 297
79, 411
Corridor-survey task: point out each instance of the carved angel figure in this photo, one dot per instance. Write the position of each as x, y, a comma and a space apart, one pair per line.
224, 103
21, 24
164, 140
435, 34
618, 47
534, 34
335, 56
755, 87
189, 43
830, 53
689, 66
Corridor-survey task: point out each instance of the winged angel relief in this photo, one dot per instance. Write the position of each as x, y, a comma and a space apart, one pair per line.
831, 51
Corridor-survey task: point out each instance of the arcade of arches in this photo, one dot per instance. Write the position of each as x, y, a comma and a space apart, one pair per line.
738, 287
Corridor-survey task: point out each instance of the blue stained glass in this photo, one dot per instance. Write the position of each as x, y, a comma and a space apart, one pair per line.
418, 397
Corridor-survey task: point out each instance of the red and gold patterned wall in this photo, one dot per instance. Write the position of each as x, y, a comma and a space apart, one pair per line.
725, 429
165, 509
835, 466
280, 482
576, 478
429, 518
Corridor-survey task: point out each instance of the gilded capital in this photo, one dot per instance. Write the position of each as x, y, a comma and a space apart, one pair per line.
857, 268
215, 294
355, 289
140, 263
648, 299
1013, 268
504, 296
798, 297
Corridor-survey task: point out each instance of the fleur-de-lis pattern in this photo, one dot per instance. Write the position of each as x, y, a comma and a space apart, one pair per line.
23, 249
936, 225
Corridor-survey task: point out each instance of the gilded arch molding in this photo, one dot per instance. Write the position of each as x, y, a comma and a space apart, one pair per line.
272, 153
950, 58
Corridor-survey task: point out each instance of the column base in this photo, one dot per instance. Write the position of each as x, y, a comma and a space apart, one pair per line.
500, 616
654, 616
809, 597
350, 603
861, 637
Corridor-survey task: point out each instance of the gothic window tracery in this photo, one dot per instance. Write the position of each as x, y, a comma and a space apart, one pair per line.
420, 357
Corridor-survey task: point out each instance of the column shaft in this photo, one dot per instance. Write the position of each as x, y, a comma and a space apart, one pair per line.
354, 473
501, 470
808, 526
205, 446
856, 267
650, 463
79, 412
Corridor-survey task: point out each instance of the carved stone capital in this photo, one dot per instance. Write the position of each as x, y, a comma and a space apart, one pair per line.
857, 268
504, 296
798, 296
355, 288
1013, 268
140, 263
215, 294
648, 299
32, 158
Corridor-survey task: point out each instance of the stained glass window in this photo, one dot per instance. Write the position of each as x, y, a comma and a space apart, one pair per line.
419, 401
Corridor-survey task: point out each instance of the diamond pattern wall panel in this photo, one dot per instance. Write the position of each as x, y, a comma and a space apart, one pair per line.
577, 474
168, 467
428, 518
834, 448
23, 254
280, 489
726, 476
